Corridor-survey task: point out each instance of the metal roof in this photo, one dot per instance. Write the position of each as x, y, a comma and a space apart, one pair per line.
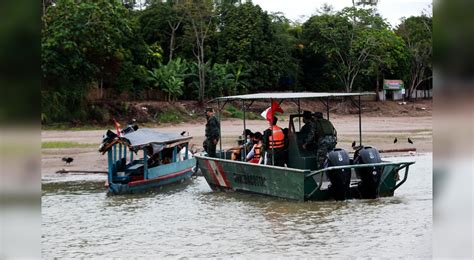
296, 95
144, 136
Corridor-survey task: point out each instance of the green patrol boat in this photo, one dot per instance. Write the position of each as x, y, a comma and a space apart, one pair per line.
364, 176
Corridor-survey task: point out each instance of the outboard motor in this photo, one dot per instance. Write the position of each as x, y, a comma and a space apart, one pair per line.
130, 129
340, 179
369, 176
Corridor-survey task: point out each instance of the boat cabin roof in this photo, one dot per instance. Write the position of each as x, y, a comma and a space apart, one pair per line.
144, 136
295, 95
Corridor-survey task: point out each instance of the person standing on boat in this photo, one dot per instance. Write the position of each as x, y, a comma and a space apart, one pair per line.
308, 132
274, 144
326, 137
212, 133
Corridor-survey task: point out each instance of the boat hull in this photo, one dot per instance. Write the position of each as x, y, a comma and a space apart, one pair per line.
290, 183
157, 177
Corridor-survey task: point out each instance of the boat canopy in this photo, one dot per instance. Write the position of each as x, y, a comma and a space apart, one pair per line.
144, 137
295, 95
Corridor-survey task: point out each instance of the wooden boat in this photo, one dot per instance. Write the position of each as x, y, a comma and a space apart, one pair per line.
165, 159
365, 176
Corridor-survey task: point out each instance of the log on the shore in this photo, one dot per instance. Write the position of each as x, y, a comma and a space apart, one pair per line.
397, 150
79, 171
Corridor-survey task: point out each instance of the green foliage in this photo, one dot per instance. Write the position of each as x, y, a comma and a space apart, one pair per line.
61, 144
62, 105
156, 26
417, 34
170, 116
352, 41
170, 78
99, 114
226, 79
231, 111
199, 49
85, 42
247, 36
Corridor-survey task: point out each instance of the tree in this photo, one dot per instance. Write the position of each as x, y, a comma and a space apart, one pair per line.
226, 79
84, 41
387, 55
200, 14
416, 31
248, 36
170, 78
162, 23
347, 40
45, 5
89, 41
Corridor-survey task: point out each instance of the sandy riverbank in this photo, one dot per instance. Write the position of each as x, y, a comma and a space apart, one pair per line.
377, 131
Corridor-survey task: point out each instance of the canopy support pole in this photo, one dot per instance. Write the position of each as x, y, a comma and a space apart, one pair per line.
115, 157
145, 165
220, 134
220, 108
110, 170
125, 154
251, 103
245, 127
175, 154
360, 123
120, 154
271, 132
327, 107
187, 149
299, 113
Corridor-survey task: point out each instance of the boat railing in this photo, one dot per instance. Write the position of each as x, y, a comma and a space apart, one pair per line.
398, 166
117, 159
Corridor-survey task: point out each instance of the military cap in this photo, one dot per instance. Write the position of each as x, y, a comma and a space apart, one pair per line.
306, 114
318, 114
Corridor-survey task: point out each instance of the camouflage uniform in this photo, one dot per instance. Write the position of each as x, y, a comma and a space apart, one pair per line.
308, 135
327, 139
212, 133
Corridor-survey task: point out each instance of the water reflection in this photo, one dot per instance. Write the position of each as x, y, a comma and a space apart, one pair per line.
189, 220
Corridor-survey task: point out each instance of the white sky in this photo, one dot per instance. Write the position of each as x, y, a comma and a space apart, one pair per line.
301, 10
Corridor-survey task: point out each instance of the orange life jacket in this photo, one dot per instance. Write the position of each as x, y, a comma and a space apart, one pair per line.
277, 140
257, 149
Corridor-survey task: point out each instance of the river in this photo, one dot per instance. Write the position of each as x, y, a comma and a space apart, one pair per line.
189, 220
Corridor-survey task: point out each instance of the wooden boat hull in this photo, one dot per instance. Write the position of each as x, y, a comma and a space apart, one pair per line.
290, 183
157, 177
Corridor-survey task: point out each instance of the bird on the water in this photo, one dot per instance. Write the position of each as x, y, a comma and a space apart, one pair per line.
410, 141
68, 160
395, 140
354, 144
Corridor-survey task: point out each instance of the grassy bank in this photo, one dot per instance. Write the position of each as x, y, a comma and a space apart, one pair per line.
62, 144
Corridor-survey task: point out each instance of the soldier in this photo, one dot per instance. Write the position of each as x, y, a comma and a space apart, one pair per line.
307, 132
212, 133
326, 137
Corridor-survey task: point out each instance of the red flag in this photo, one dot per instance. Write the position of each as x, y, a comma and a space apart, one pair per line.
276, 107
272, 110
117, 127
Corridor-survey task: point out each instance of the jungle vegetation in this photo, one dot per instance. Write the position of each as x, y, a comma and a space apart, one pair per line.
200, 49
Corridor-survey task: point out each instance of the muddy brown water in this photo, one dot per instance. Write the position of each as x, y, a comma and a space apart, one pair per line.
189, 220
